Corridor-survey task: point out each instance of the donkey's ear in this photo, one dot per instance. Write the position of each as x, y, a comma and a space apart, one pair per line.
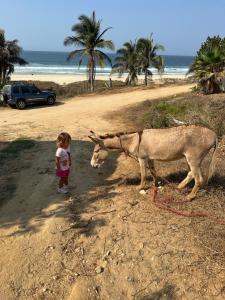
93, 139
94, 134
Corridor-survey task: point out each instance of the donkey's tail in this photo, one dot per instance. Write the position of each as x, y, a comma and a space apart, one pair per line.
212, 163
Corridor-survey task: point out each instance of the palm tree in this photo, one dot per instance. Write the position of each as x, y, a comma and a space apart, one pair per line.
148, 56
9, 56
89, 38
127, 61
209, 65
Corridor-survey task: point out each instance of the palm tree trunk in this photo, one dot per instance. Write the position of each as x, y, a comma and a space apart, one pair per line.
4, 75
92, 73
146, 77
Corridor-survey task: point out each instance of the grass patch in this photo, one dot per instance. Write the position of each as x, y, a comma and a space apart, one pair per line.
77, 88
14, 148
192, 108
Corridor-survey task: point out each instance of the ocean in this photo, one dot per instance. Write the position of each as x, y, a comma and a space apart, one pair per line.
46, 62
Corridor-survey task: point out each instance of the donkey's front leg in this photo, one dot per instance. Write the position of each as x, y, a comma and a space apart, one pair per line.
142, 163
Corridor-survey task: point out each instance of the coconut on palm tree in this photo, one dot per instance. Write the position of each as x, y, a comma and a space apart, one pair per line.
89, 39
127, 62
209, 65
148, 56
9, 56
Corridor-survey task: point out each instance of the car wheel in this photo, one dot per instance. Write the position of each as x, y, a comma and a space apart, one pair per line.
50, 100
20, 104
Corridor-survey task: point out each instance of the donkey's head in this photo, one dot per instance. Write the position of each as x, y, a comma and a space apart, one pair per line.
100, 152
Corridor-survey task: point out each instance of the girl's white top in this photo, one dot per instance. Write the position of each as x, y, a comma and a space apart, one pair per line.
63, 155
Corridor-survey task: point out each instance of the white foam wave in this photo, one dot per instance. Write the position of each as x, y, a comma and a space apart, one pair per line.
60, 69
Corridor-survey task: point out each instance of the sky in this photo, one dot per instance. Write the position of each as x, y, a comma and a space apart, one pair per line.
179, 25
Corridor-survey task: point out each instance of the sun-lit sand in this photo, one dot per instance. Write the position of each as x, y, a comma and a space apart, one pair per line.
68, 78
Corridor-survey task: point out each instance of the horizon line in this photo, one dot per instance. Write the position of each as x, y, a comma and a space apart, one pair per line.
106, 52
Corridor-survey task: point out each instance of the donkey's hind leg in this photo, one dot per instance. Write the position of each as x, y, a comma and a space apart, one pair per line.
195, 173
151, 166
142, 163
186, 180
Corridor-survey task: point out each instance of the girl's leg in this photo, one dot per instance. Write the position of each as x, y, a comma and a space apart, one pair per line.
61, 182
66, 180
61, 188
66, 183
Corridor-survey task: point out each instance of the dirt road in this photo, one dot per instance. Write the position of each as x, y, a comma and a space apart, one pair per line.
77, 115
51, 244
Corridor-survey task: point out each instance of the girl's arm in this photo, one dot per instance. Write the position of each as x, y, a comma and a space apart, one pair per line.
57, 162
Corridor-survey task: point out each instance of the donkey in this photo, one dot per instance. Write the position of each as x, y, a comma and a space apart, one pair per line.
192, 142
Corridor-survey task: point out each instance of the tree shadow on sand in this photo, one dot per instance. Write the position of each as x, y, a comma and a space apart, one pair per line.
32, 198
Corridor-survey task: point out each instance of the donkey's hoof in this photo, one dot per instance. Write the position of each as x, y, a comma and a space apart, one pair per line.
191, 196
180, 187
139, 188
142, 192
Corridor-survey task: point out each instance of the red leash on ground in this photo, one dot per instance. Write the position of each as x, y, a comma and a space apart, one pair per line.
164, 203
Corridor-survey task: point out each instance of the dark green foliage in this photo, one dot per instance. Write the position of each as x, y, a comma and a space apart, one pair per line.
148, 57
9, 56
136, 58
209, 65
127, 61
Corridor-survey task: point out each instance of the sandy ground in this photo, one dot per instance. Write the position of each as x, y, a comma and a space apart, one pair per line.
52, 244
67, 78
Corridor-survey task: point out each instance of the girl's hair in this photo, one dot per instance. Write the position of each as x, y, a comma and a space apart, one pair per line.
62, 138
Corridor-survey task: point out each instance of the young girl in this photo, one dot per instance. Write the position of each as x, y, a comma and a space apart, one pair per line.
63, 161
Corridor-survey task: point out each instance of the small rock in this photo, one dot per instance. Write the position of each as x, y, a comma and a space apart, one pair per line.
105, 256
142, 192
99, 270
174, 227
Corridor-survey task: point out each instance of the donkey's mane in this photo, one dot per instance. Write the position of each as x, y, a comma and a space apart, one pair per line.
118, 134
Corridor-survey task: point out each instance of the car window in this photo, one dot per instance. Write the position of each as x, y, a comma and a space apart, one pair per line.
34, 90
25, 89
15, 90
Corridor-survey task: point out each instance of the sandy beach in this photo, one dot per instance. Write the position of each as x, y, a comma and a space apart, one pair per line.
68, 78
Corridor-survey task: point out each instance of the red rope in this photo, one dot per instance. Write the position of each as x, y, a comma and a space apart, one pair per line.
165, 202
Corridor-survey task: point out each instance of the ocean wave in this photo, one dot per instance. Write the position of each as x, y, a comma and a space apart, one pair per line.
59, 69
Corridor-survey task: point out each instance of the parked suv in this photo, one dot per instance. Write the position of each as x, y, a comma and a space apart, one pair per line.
21, 94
